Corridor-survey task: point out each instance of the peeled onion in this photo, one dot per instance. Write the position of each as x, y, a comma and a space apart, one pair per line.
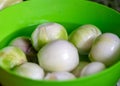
59, 55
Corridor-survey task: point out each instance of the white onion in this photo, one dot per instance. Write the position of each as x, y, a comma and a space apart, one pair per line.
30, 70
23, 43
59, 55
83, 37
46, 33
59, 76
11, 56
6, 3
92, 68
106, 49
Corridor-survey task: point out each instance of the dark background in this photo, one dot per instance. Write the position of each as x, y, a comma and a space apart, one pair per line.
115, 4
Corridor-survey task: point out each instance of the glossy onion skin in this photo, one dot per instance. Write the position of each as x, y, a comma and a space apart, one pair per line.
11, 56
83, 37
30, 70
106, 49
92, 68
7, 3
59, 76
46, 33
59, 55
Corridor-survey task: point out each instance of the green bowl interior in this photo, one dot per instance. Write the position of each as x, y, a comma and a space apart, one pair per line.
22, 19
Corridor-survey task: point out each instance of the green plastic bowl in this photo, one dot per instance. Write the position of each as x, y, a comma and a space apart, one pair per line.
21, 19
